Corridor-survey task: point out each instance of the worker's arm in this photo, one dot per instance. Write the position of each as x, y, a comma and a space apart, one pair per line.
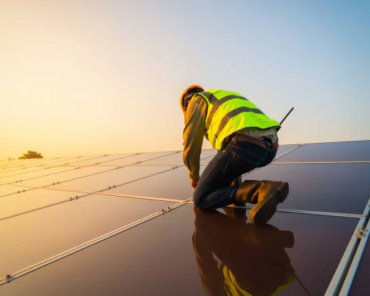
194, 131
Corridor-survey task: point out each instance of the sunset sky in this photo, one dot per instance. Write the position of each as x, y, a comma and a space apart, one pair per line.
94, 77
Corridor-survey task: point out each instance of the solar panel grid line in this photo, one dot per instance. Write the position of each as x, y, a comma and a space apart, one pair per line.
96, 164
21, 162
92, 165
348, 256
78, 197
108, 188
141, 197
74, 167
61, 182
42, 162
18, 192
54, 173
356, 260
14, 165
85, 195
102, 172
68, 165
36, 209
282, 210
13, 276
64, 159
21, 171
7, 176
47, 167
22, 167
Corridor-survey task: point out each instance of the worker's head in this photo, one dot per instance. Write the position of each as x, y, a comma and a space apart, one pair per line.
187, 94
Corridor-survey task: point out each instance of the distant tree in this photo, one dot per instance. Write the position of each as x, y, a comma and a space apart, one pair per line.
31, 154
10, 159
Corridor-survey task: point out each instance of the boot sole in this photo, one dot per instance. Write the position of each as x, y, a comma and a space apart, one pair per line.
262, 212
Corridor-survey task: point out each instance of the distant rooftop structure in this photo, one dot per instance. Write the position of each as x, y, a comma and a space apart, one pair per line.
124, 224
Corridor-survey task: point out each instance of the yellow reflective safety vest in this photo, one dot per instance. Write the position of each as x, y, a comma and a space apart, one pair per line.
229, 112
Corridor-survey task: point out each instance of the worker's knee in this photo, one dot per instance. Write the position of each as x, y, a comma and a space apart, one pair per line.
200, 201
197, 202
202, 207
197, 199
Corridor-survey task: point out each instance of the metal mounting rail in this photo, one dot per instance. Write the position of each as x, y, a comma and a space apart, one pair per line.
363, 235
308, 212
11, 277
348, 257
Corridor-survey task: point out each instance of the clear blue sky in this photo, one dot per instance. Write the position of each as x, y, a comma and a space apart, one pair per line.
90, 77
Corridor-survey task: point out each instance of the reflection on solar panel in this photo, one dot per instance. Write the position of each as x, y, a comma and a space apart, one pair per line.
124, 225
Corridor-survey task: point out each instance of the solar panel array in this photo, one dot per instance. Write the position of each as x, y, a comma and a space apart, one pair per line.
124, 224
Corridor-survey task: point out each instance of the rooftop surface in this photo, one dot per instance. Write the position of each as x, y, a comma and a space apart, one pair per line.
124, 224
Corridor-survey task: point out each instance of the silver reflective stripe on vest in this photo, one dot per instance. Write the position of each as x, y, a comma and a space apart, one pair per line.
217, 103
230, 115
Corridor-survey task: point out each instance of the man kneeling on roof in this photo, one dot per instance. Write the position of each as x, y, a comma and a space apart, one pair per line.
245, 139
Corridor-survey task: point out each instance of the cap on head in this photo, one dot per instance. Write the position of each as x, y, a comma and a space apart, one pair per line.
192, 89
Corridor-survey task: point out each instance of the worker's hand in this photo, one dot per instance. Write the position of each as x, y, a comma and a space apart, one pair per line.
194, 182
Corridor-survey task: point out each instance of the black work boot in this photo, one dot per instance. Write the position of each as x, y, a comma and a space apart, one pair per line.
265, 195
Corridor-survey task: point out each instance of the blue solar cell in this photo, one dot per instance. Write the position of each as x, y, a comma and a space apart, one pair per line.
339, 151
321, 187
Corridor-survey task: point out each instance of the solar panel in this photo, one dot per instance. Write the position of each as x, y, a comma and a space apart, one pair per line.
123, 225
26, 201
340, 151
158, 186
55, 229
161, 256
103, 178
321, 187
